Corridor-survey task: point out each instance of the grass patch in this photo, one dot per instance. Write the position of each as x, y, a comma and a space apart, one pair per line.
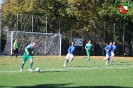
77, 74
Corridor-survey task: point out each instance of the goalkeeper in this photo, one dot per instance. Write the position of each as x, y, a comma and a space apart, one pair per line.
15, 48
28, 55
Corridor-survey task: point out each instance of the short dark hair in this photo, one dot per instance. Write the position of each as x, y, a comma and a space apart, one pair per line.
73, 41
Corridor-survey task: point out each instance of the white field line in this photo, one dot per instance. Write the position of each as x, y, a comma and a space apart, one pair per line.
85, 68
68, 69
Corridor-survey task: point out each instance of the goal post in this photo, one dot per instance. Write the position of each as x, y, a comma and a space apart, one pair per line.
47, 43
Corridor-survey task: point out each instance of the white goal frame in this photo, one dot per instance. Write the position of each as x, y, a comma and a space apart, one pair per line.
47, 41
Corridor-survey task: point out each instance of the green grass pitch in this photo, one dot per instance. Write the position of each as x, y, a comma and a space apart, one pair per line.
77, 74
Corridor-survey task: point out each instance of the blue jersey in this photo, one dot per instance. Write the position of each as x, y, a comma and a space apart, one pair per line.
114, 48
71, 49
108, 49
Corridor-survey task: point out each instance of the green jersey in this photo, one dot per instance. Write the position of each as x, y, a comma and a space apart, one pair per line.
15, 45
88, 47
30, 49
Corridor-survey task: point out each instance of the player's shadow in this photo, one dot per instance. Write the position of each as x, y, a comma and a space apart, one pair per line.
62, 86
124, 62
119, 64
51, 71
82, 66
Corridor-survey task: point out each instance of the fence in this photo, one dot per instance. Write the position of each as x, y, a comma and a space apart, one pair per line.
101, 33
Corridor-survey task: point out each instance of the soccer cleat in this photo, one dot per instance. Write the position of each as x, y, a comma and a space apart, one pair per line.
21, 70
30, 69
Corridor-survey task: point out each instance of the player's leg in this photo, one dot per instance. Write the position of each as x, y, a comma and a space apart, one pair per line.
71, 57
16, 52
23, 62
112, 56
30, 58
88, 56
67, 59
107, 59
65, 62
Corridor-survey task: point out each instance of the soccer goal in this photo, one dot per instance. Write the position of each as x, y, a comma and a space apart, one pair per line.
47, 43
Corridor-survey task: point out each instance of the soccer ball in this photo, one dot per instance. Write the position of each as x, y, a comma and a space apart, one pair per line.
38, 69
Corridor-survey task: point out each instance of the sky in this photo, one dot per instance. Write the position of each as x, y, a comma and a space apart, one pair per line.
0, 3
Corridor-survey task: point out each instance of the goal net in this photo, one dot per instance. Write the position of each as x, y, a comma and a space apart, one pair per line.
46, 43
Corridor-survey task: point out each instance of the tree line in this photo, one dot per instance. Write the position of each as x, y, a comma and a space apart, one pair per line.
77, 15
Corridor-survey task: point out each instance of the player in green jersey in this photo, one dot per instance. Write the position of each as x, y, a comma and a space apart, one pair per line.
15, 48
28, 55
88, 48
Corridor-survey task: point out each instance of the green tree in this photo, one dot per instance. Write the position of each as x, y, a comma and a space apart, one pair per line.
81, 16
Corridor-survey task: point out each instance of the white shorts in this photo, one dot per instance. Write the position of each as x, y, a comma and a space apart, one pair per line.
69, 56
107, 56
112, 53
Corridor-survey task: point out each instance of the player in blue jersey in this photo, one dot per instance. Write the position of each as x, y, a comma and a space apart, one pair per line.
108, 49
113, 51
70, 54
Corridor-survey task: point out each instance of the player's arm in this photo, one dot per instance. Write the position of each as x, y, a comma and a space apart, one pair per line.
92, 47
116, 48
75, 51
85, 47
69, 50
106, 48
26, 50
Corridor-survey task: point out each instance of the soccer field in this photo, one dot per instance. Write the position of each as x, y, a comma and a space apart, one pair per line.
77, 74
